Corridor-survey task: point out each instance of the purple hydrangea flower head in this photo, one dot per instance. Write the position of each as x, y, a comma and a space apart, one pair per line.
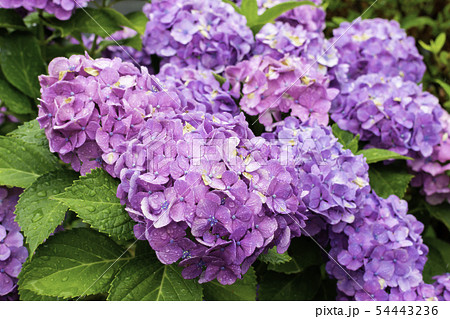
271, 87
207, 35
12, 252
390, 113
199, 87
62, 9
207, 193
280, 38
376, 46
90, 107
382, 252
432, 170
442, 286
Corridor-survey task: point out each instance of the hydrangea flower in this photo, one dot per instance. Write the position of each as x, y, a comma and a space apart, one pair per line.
271, 87
279, 39
12, 252
432, 170
442, 286
208, 193
208, 35
375, 46
90, 107
199, 87
62, 9
390, 113
4, 117
382, 253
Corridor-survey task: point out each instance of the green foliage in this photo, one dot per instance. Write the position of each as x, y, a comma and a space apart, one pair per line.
27, 295
301, 286
21, 62
440, 212
272, 257
11, 19
347, 139
36, 213
242, 290
73, 263
374, 155
30, 132
305, 253
438, 261
13, 98
22, 163
139, 20
249, 9
93, 198
99, 21
145, 278
388, 180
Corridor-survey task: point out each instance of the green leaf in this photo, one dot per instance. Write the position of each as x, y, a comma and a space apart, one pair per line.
36, 213
21, 62
30, 132
236, 8
11, 19
374, 155
73, 263
93, 198
242, 290
438, 261
139, 20
444, 85
278, 286
274, 12
347, 139
388, 180
134, 42
145, 278
413, 22
219, 78
13, 98
103, 22
249, 9
22, 163
272, 257
440, 212
27, 295
425, 46
439, 42
304, 253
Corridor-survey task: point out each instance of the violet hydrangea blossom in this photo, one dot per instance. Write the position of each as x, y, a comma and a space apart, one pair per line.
208, 35
271, 87
382, 253
90, 107
208, 193
375, 46
62, 9
198, 87
390, 113
12, 252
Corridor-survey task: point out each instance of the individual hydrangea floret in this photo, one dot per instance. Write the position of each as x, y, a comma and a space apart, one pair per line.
375, 46
272, 87
390, 113
382, 253
199, 88
208, 35
90, 107
12, 252
62, 9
